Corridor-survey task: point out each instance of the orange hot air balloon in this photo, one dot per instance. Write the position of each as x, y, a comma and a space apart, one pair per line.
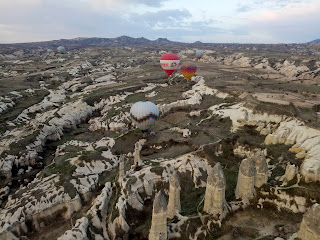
188, 69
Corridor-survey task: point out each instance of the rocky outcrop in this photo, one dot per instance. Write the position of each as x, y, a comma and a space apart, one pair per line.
310, 225
214, 201
121, 169
282, 200
306, 144
290, 173
78, 232
193, 96
99, 209
68, 117
245, 185
305, 141
40, 199
158, 229
174, 206
136, 154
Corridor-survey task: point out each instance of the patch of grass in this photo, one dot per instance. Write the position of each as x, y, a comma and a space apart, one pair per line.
136, 98
231, 183
89, 156
281, 151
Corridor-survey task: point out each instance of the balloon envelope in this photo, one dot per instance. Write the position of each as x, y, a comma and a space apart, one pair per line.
188, 69
199, 53
49, 51
144, 114
61, 49
169, 62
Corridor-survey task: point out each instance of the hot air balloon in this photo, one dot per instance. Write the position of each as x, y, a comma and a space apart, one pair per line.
169, 62
199, 54
188, 69
61, 49
49, 51
144, 114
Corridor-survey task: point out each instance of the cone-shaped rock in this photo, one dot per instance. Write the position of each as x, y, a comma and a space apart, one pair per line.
174, 205
158, 229
215, 191
245, 184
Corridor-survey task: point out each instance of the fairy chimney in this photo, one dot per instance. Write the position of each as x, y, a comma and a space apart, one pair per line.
174, 205
121, 168
310, 225
137, 149
261, 174
158, 229
245, 184
215, 191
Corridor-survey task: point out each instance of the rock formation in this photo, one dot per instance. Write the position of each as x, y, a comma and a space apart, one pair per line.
261, 174
174, 205
121, 168
291, 172
136, 154
79, 231
310, 225
158, 229
215, 191
245, 185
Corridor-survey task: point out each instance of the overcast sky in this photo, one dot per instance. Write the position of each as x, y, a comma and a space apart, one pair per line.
223, 21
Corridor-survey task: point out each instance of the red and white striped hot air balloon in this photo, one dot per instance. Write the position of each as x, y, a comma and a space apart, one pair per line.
169, 62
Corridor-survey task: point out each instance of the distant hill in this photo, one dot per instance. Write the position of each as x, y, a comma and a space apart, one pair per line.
79, 42
315, 41
160, 44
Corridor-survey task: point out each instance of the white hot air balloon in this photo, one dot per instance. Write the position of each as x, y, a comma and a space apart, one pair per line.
199, 53
61, 49
49, 51
144, 114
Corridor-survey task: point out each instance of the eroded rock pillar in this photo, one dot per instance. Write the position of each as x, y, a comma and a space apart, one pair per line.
174, 205
215, 191
245, 185
158, 229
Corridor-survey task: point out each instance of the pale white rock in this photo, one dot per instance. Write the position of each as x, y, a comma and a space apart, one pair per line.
100, 205
185, 132
290, 173
214, 201
78, 232
42, 197
296, 204
309, 228
174, 205
193, 96
158, 229
305, 140
245, 185
151, 95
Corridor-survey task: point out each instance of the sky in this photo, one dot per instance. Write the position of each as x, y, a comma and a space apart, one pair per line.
210, 21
